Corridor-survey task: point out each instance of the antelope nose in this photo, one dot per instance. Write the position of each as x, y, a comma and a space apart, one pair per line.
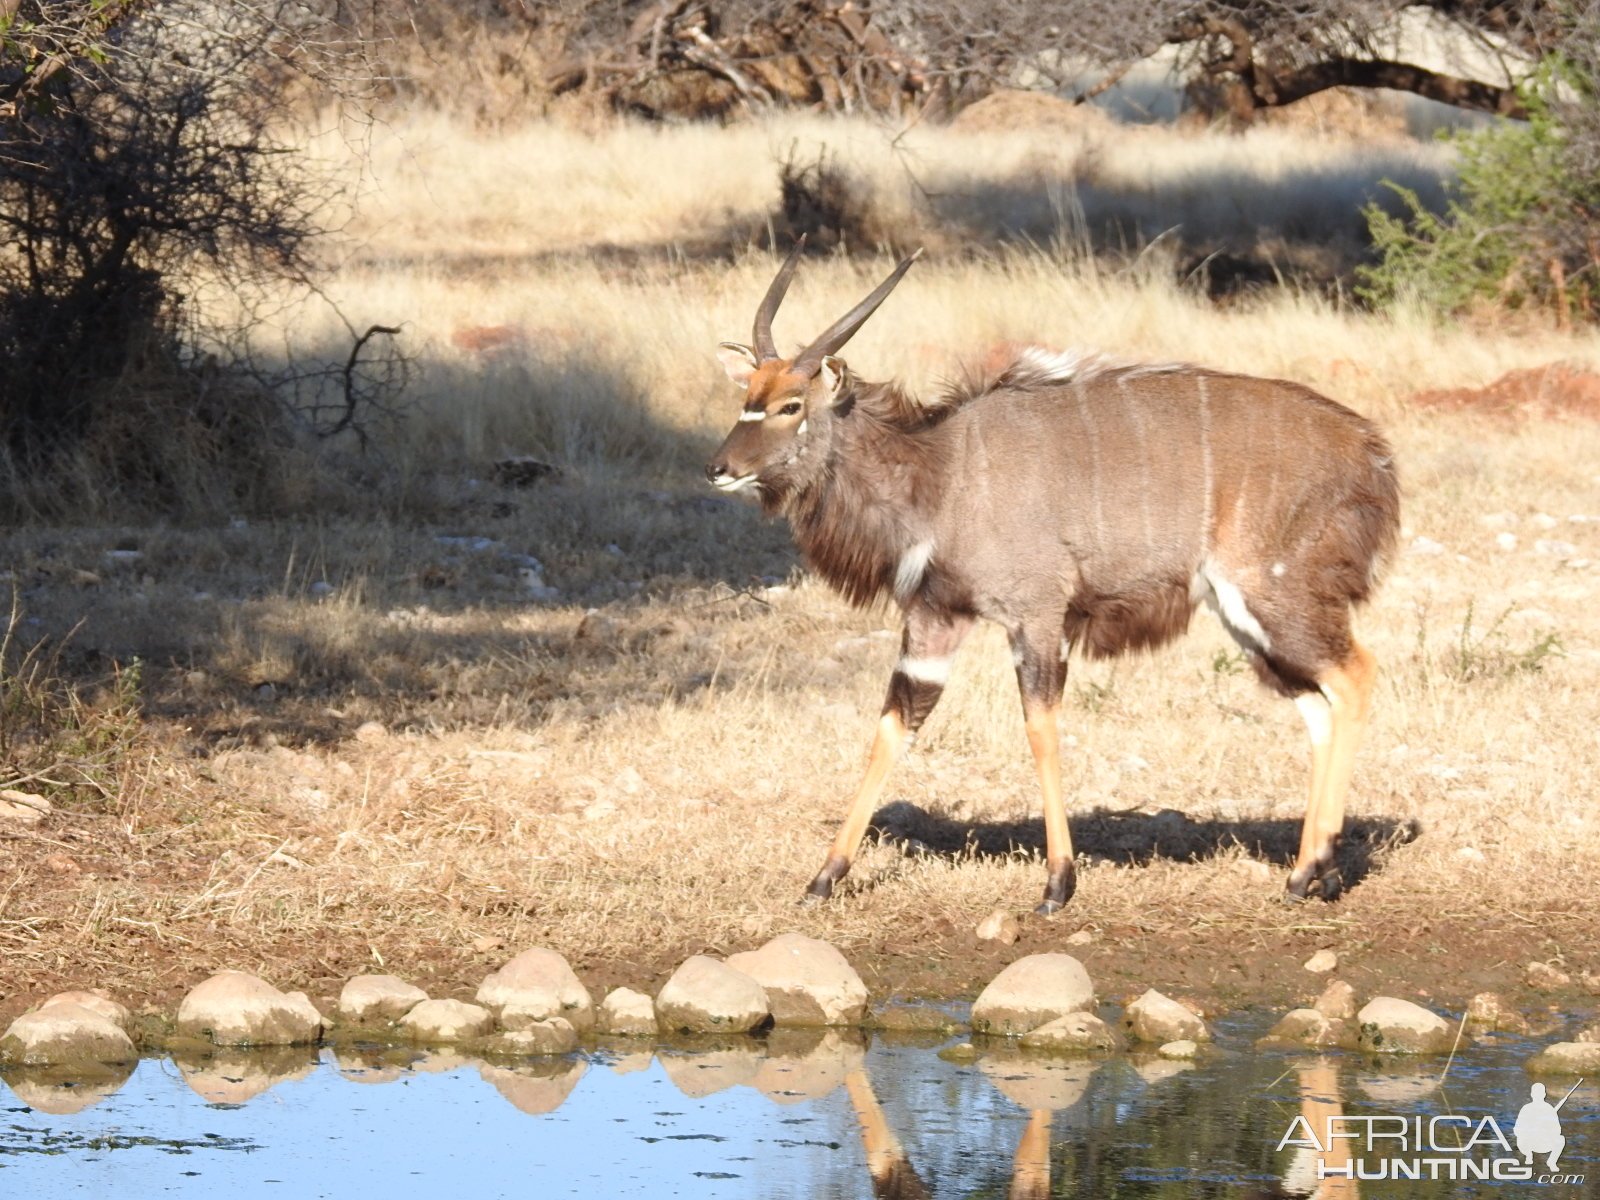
714, 469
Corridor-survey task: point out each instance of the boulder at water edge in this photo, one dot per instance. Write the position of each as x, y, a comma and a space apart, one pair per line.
1567, 1058
1075, 1032
535, 986
378, 999
64, 1034
96, 1001
1309, 1028
1391, 1026
555, 1036
1487, 1011
807, 981
1338, 1001
626, 1013
1031, 992
707, 996
234, 1008
1157, 1018
440, 1022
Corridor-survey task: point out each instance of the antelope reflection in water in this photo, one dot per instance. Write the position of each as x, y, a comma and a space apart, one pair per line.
1321, 1099
893, 1176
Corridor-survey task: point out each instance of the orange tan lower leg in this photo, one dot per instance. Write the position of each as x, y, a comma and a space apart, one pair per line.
1348, 688
1044, 739
887, 743
1030, 1170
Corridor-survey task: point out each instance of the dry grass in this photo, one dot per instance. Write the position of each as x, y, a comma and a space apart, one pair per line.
661, 774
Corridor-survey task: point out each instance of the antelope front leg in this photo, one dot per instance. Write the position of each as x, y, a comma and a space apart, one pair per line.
927, 647
1041, 674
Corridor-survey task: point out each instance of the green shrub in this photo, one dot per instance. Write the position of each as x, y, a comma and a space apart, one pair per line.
1521, 228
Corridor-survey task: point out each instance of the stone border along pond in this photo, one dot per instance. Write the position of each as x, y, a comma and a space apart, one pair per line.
535, 1006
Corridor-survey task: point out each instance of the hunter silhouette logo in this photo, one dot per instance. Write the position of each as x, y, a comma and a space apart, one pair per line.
1538, 1128
1449, 1146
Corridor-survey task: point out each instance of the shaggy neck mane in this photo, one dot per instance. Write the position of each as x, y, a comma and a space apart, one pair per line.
857, 515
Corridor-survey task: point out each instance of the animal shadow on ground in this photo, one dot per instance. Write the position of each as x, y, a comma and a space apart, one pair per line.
1137, 838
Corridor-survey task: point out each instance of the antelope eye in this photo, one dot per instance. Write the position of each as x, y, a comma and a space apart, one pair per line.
790, 409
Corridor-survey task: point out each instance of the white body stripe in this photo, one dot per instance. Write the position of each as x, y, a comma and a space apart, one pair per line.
1227, 601
912, 567
753, 414
924, 670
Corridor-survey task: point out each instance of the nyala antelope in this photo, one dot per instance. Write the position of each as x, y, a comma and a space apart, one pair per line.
1079, 502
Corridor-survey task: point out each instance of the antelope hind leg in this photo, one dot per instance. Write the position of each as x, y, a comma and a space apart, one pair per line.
1336, 729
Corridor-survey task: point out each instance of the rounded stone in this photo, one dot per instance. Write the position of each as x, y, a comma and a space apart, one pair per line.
378, 999
65, 1033
1392, 1026
999, 926
234, 1008
1309, 1028
1489, 1011
1322, 962
1031, 992
707, 996
95, 1001
1567, 1058
535, 986
910, 1018
443, 1021
1075, 1032
1338, 1001
626, 1013
1156, 1018
555, 1036
807, 981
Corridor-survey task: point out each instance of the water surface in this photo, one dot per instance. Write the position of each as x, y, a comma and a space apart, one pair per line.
801, 1115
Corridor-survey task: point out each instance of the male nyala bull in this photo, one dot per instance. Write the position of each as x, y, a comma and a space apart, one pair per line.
1080, 502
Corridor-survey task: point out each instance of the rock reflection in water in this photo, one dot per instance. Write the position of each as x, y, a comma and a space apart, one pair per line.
789, 1108
537, 1087
61, 1091
230, 1076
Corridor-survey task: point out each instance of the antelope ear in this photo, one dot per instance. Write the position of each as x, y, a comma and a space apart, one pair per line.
738, 361
834, 377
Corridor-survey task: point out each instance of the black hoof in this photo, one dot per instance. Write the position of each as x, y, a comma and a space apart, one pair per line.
1058, 889
822, 886
1332, 885
1322, 881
